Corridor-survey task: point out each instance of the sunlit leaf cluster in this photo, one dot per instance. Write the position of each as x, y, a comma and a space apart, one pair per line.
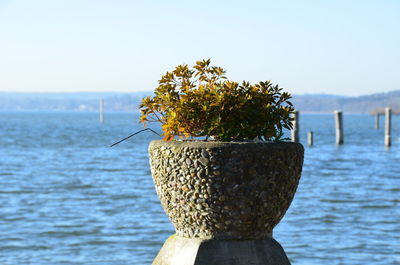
202, 102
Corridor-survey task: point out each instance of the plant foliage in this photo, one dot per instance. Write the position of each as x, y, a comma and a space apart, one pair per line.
202, 102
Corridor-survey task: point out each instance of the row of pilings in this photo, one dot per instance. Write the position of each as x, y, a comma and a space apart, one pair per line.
338, 115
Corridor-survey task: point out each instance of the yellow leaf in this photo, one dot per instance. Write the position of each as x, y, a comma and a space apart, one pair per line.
168, 137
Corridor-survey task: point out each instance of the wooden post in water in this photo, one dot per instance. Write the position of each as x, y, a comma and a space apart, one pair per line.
377, 115
388, 127
339, 127
295, 130
101, 110
310, 138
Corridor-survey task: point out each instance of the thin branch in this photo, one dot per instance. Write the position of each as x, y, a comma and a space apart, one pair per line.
126, 138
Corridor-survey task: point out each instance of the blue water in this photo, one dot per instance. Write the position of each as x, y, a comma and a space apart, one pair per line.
67, 198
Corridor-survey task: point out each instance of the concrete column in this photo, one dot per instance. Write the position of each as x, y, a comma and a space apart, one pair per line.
388, 127
377, 116
101, 110
339, 127
295, 130
195, 251
310, 138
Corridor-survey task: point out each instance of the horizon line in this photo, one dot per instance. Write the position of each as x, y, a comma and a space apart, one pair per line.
149, 91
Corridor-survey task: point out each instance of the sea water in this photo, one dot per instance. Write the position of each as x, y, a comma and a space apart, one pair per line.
66, 197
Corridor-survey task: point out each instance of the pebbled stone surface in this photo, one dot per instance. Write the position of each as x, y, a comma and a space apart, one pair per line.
232, 190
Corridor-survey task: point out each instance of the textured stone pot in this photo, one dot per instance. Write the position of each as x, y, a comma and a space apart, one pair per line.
224, 199
225, 190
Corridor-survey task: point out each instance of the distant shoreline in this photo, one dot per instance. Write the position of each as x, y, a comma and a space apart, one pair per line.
138, 112
129, 102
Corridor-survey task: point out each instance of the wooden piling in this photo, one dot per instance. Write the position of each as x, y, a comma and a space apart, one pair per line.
310, 138
377, 116
101, 110
295, 130
388, 127
339, 127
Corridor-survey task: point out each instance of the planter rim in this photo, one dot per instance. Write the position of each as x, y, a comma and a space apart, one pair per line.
216, 144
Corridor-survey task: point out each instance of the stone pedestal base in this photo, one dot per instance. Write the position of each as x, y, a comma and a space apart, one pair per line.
187, 251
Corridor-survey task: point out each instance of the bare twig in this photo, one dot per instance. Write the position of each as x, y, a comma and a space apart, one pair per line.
126, 138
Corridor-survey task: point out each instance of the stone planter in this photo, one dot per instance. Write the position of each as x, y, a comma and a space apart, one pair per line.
233, 191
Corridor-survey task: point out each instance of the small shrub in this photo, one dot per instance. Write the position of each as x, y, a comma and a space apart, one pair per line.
202, 102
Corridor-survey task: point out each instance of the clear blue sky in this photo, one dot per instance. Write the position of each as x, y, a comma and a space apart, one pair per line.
339, 47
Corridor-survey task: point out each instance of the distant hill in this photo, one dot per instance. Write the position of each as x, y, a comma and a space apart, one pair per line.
84, 101
361, 104
130, 101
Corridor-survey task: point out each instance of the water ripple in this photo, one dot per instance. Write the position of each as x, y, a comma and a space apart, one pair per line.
69, 199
